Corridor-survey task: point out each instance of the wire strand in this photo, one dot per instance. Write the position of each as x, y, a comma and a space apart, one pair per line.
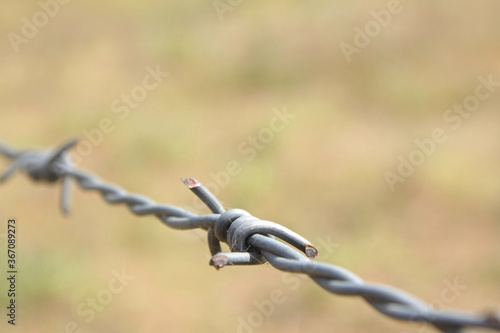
251, 240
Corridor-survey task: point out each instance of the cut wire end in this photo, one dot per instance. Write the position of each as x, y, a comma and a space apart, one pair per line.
190, 182
219, 260
311, 251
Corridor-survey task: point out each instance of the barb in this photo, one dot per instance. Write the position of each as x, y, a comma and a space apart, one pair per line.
251, 240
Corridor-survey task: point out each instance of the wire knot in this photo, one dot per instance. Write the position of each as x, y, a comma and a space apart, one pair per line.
41, 165
47, 165
225, 221
236, 226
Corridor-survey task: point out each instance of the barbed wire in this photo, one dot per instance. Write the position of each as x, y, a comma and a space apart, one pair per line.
251, 240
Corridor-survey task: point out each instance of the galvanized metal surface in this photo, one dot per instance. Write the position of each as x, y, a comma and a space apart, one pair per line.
251, 240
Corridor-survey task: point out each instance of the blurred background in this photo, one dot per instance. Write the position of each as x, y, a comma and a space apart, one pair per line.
67, 69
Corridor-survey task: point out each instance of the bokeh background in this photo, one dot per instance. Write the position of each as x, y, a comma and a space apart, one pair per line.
322, 176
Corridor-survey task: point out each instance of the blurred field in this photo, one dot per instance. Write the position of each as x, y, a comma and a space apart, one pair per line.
322, 176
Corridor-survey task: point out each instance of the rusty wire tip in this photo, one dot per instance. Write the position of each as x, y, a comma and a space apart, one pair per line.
311, 251
190, 182
219, 260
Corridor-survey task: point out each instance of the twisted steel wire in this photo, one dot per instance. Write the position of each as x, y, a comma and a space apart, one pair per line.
250, 239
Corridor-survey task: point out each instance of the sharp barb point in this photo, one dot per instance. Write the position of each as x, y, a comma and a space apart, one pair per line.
190, 182
219, 260
311, 251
